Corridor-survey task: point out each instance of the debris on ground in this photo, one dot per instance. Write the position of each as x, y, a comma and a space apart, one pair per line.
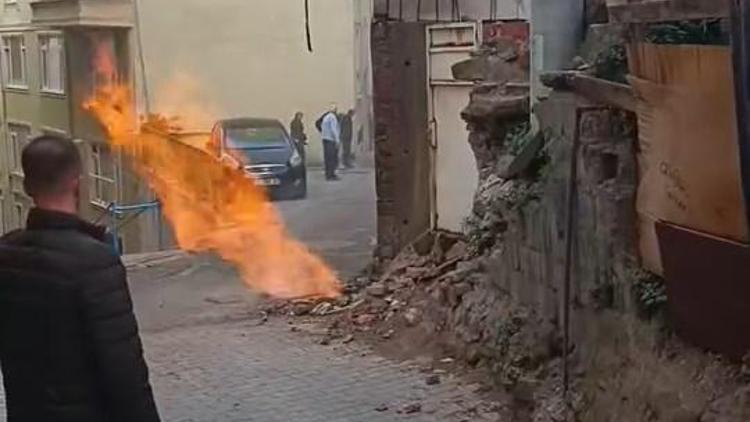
381, 408
411, 408
433, 379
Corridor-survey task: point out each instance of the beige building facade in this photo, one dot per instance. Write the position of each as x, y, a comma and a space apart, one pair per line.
239, 58
204, 61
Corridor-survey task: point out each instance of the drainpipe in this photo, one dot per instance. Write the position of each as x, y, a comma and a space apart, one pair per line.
557, 30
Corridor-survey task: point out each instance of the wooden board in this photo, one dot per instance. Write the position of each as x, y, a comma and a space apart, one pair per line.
688, 149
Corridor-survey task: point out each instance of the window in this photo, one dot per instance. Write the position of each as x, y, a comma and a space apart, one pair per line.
102, 174
18, 136
20, 215
2, 215
52, 63
14, 61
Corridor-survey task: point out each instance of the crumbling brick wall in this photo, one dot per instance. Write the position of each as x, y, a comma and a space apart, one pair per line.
503, 308
402, 147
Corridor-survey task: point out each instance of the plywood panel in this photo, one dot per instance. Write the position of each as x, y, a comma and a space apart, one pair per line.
689, 154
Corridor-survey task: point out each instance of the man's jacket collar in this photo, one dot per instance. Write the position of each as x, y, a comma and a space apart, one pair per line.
40, 219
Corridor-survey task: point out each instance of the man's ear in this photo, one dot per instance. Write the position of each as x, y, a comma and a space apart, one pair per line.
73, 184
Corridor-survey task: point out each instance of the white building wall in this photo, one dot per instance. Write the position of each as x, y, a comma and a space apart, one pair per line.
442, 10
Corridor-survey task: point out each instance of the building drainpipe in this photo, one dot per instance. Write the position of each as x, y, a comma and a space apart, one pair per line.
557, 31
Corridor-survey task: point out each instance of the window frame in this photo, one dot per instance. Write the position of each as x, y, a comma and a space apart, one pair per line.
20, 213
97, 177
3, 226
7, 61
17, 145
44, 62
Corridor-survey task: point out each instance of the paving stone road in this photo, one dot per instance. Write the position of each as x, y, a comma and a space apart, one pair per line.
241, 372
211, 361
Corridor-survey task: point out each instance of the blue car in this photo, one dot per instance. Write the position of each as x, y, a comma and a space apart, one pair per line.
264, 149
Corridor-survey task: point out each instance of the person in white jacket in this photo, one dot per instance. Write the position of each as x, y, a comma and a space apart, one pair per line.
331, 134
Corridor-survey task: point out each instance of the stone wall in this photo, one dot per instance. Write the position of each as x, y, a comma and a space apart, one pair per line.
502, 306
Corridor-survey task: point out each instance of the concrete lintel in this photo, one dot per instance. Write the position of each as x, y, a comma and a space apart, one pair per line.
599, 90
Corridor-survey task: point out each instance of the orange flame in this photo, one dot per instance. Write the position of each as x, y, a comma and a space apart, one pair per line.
212, 207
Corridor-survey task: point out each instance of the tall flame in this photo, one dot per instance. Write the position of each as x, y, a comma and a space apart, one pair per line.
211, 206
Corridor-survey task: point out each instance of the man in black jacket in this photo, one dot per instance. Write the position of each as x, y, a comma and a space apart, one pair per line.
69, 344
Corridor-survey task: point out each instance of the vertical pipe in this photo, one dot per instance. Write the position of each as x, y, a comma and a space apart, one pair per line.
570, 228
308, 32
740, 32
437, 10
141, 58
400, 10
419, 10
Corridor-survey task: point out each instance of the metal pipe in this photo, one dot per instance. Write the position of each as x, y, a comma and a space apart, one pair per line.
308, 32
740, 33
419, 10
141, 58
571, 227
400, 10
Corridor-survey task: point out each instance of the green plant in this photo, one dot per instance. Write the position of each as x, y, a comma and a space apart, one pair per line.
612, 64
650, 293
704, 32
517, 137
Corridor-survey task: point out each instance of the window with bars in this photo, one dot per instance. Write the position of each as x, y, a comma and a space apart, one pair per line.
14, 61
103, 190
52, 63
18, 137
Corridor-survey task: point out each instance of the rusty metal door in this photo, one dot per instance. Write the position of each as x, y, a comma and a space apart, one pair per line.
455, 175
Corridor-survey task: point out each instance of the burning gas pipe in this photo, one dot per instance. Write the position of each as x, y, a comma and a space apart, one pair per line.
212, 207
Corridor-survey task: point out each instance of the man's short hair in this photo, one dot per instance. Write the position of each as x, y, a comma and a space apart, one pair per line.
48, 161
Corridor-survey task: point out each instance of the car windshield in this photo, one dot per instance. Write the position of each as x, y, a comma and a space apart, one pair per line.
255, 137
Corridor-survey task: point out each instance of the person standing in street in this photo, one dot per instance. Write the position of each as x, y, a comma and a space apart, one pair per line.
331, 134
347, 133
297, 131
70, 350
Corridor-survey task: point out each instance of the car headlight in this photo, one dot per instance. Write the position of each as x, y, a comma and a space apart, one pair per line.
296, 159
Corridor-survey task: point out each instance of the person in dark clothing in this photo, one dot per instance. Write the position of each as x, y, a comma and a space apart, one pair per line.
69, 344
347, 134
297, 132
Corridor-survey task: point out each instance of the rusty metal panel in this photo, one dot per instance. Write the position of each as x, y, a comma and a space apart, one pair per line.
708, 288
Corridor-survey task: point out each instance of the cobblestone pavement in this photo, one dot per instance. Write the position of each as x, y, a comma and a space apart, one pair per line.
241, 371
211, 362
